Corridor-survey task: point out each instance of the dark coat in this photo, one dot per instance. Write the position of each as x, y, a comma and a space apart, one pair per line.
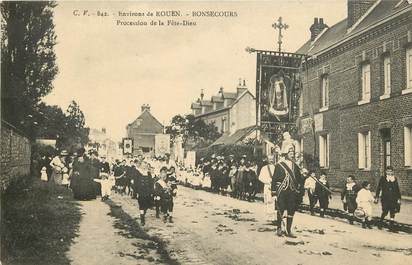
390, 193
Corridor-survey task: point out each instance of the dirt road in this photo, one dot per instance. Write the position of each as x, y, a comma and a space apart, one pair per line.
212, 229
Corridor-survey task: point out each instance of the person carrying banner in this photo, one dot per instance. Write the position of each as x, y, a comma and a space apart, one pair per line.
287, 185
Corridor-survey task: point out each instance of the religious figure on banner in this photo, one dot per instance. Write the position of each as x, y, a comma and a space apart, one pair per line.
278, 95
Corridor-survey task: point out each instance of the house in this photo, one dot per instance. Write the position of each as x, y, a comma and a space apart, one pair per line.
143, 131
228, 111
356, 104
100, 141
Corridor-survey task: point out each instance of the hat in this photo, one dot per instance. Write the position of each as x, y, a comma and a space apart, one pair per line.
64, 153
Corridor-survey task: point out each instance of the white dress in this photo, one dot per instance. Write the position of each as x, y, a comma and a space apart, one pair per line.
364, 199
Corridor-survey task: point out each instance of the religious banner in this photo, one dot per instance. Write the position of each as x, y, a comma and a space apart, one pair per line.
162, 144
127, 146
278, 86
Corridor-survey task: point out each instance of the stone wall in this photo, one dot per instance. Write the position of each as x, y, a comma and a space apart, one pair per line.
15, 154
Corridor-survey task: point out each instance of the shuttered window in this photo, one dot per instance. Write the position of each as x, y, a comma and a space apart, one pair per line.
364, 150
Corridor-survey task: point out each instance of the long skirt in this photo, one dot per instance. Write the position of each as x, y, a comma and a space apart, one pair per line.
57, 177
83, 187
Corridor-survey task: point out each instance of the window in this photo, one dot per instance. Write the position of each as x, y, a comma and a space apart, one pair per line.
223, 124
324, 151
325, 92
366, 82
408, 145
364, 150
408, 70
387, 75
301, 106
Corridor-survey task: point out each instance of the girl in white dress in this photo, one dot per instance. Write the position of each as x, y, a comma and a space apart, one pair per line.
364, 199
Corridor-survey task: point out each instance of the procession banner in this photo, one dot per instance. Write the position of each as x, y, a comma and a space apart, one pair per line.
278, 87
127, 146
278, 82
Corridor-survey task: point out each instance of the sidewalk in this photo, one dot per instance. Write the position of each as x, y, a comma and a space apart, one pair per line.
405, 216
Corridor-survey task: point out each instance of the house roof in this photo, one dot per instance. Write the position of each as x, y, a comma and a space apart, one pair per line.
217, 99
235, 137
147, 123
229, 95
196, 105
229, 106
206, 103
339, 32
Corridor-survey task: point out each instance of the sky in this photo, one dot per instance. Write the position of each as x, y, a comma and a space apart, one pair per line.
111, 69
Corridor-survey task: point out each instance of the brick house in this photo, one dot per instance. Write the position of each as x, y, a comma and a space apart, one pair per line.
356, 107
228, 111
143, 131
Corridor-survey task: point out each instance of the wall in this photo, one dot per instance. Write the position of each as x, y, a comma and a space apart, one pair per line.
345, 118
15, 154
243, 113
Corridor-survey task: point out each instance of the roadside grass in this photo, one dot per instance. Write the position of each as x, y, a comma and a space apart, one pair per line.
39, 222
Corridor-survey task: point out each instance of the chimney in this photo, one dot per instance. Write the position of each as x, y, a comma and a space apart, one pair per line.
146, 107
356, 9
104, 130
201, 94
317, 28
241, 87
221, 91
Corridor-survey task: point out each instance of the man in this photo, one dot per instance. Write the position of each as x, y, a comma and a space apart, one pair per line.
310, 185
105, 186
390, 197
287, 185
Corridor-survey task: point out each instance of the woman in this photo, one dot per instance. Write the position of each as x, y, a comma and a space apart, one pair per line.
390, 197
58, 166
82, 182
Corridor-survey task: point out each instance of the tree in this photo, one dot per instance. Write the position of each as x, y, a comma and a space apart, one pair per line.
76, 134
67, 128
193, 130
28, 59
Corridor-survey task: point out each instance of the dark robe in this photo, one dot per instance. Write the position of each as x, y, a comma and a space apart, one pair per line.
82, 182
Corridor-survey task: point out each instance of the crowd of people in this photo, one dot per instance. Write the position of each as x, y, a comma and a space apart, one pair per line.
282, 180
152, 182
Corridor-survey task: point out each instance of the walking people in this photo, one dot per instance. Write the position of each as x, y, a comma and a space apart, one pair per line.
265, 176
163, 189
144, 190
348, 197
388, 191
81, 181
323, 194
287, 184
364, 199
58, 166
310, 185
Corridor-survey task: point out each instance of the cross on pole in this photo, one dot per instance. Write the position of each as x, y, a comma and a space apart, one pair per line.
279, 25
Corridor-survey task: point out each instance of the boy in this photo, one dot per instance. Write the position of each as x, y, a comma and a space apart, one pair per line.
164, 191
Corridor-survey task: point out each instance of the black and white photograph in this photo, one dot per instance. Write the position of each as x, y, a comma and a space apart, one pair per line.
206, 132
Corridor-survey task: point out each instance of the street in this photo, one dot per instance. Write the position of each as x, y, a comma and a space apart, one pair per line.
213, 229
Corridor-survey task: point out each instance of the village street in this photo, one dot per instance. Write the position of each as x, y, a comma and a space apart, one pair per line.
213, 229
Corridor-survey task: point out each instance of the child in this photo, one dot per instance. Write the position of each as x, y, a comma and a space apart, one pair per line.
144, 192
364, 201
164, 191
323, 194
348, 197
310, 186
43, 172
65, 179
